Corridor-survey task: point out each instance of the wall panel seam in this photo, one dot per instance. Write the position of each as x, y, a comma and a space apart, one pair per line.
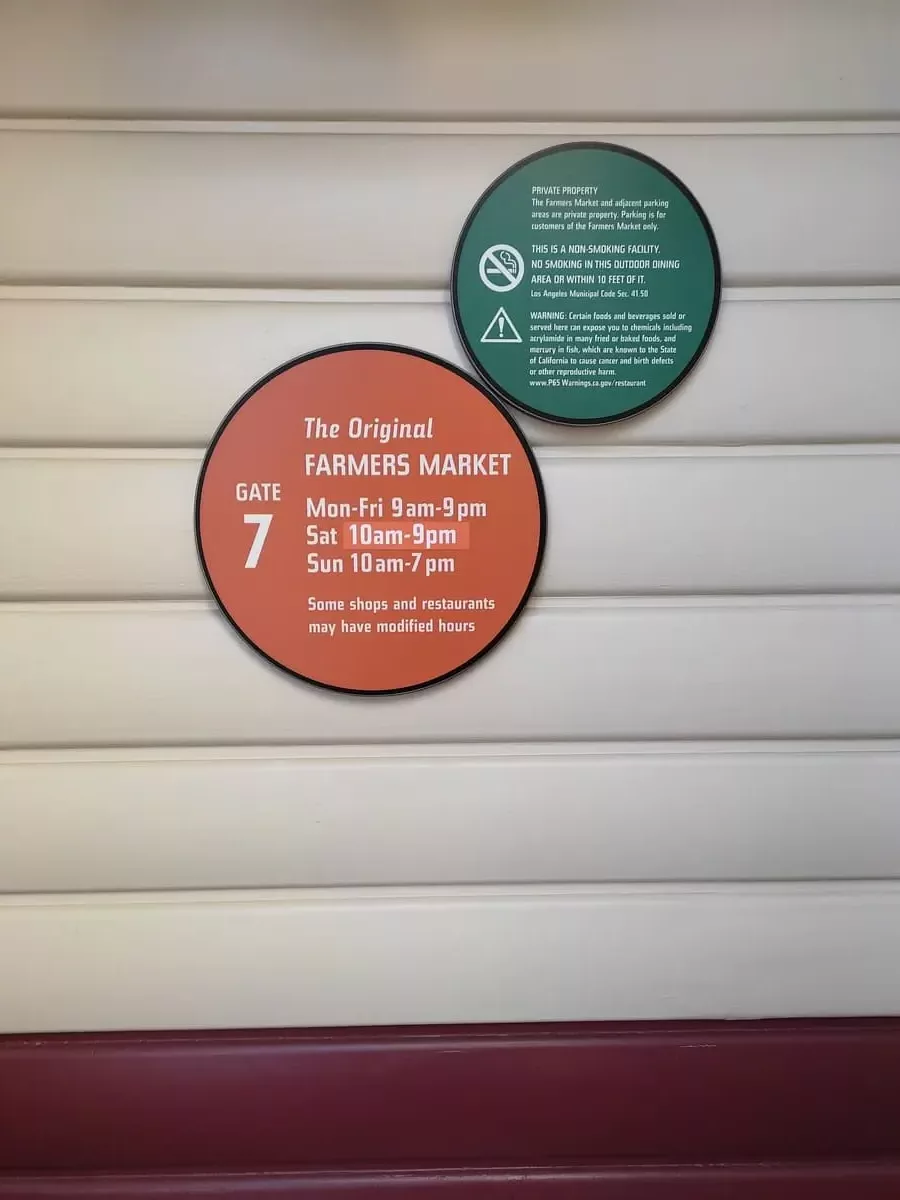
45, 454
444, 752
458, 894
513, 127
563, 603
248, 294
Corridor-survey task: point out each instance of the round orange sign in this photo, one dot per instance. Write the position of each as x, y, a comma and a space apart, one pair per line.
370, 519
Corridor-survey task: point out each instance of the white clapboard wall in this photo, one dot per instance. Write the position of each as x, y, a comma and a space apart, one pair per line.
674, 789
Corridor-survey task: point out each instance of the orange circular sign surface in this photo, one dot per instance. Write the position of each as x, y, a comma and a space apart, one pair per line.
370, 519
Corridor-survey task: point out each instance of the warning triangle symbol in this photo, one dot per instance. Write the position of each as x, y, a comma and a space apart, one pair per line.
501, 329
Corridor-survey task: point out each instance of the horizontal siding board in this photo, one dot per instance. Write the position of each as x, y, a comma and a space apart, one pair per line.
187, 961
150, 674
380, 209
408, 57
369, 1103
494, 815
619, 522
831, 1180
116, 368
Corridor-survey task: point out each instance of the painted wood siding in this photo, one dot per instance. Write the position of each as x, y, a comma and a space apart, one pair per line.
672, 790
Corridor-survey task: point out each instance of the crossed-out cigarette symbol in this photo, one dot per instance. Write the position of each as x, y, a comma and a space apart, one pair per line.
501, 268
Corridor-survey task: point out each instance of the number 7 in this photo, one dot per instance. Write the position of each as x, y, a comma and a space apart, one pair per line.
263, 520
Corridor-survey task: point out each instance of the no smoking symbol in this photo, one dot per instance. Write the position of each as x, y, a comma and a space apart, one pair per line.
501, 268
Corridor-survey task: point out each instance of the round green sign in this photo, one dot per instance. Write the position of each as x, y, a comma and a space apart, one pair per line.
586, 283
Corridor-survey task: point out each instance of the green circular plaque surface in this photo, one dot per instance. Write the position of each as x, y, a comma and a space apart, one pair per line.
585, 283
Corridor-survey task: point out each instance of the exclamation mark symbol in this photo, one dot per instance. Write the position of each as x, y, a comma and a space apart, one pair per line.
501, 329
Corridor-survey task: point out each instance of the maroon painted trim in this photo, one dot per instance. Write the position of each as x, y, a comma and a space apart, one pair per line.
838, 1181
526, 1099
